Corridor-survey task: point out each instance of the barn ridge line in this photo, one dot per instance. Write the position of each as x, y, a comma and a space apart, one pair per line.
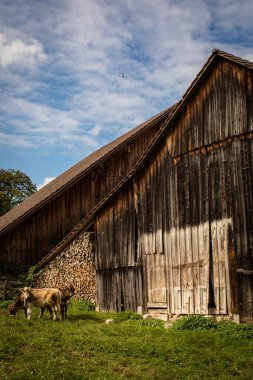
87, 221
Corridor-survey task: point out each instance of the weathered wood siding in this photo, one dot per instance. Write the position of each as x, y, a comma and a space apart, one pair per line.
118, 265
193, 207
39, 233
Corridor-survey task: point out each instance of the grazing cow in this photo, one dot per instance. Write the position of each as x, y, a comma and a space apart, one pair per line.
42, 298
17, 304
66, 294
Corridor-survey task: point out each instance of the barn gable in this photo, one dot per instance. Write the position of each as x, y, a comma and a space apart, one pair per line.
176, 236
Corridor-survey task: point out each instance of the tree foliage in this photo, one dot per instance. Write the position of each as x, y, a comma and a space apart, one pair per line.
15, 186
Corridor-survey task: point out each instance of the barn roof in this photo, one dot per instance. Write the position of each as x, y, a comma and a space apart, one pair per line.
175, 111
54, 188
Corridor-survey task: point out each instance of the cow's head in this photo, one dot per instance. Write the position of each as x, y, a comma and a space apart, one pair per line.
26, 294
16, 305
12, 309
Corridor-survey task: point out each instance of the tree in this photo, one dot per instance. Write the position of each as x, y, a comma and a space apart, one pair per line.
15, 186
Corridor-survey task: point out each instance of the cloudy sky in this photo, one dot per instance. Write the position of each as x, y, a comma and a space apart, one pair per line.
76, 74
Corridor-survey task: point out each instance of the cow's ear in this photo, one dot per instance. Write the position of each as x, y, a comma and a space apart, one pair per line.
21, 289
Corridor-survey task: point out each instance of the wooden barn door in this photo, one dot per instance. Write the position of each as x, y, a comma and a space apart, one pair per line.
219, 285
156, 281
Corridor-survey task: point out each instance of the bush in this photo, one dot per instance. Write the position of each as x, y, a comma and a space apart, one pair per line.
195, 322
233, 330
5, 304
32, 275
228, 329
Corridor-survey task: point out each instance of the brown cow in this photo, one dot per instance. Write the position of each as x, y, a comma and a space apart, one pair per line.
66, 294
42, 298
19, 304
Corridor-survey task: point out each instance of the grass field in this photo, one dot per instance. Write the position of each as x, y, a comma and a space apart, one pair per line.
84, 347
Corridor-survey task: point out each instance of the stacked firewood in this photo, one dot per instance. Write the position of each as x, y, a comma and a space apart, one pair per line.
73, 266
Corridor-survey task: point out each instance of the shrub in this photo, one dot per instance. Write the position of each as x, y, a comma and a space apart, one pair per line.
233, 330
32, 275
195, 322
5, 304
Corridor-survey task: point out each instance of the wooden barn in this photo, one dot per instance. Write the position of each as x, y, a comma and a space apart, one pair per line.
170, 204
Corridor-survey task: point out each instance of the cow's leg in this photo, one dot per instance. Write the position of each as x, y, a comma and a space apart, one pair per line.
54, 310
41, 312
66, 307
58, 314
50, 311
58, 311
25, 311
63, 309
54, 314
29, 312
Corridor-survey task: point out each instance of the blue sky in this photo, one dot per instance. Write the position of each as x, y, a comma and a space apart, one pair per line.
62, 92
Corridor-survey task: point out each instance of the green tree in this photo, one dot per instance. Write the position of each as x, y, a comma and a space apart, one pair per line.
15, 186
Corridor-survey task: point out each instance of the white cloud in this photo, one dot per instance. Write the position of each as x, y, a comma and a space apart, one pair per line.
40, 126
95, 131
231, 16
45, 182
15, 141
76, 100
17, 52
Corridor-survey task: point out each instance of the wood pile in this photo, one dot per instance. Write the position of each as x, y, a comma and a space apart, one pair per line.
74, 266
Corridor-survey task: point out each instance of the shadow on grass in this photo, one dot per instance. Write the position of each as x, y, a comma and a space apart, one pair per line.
86, 317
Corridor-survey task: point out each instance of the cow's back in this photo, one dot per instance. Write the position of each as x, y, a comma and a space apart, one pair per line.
44, 296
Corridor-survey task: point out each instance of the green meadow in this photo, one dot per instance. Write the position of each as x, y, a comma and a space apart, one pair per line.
85, 347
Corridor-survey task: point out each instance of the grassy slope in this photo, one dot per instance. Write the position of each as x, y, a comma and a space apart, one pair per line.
84, 347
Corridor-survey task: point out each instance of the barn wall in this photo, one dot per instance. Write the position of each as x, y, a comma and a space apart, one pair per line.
198, 213
119, 270
193, 206
37, 235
